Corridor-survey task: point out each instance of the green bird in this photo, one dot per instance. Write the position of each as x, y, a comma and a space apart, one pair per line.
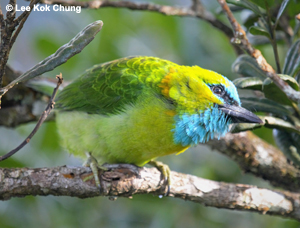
135, 109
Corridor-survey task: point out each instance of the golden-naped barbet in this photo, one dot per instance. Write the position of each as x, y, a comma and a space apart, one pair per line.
135, 109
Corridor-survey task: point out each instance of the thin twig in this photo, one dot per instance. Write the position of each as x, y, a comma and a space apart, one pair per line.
43, 117
242, 40
273, 38
10, 15
21, 19
1, 18
8, 36
25, 13
275, 51
6, 33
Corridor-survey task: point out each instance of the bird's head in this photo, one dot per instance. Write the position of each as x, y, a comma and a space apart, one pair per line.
207, 103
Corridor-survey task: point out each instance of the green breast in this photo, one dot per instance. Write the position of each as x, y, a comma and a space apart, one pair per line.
139, 133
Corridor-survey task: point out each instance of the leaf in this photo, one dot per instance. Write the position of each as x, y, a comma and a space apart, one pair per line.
246, 4
263, 24
293, 8
244, 127
255, 104
288, 143
296, 29
262, 40
273, 122
297, 77
262, 3
253, 7
248, 18
247, 66
254, 83
292, 59
258, 40
43, 85
256, 30
64, 53
272, 92
280, 11
269, 122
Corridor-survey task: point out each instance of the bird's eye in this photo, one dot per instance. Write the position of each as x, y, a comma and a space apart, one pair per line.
217, 90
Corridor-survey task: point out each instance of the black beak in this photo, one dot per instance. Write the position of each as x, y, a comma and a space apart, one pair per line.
239, 114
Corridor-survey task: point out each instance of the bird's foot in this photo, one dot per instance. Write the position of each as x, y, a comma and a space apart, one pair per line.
165, 171
94, 165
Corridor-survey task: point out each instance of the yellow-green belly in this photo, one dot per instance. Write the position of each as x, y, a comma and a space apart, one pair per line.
138, 134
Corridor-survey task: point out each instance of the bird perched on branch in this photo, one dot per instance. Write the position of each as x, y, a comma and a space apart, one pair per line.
135, 109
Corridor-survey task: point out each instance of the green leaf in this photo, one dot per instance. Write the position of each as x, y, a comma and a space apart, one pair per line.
272, 92
293, 8
251, 6
273, 122
246, 4
289, 144
256, 104
244, 127
248, 18
247, 66
263, 24
269, 122
256, 30
259, 40
292, 60
43, 85
280, 11
254, 83
262, 40
270, 3
296, 29
297, 76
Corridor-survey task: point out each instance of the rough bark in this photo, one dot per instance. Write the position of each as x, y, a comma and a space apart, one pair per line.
125, 180
256, 156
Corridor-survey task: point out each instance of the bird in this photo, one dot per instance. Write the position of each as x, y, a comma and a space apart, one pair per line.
136, 109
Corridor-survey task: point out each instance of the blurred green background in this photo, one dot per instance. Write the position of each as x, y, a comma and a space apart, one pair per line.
186, 41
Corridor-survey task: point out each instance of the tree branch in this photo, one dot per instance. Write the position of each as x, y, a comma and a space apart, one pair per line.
41, 120
1, 19
20, 21
125, 180
260, 158
251, 153
8, 33
242, 40
19, 103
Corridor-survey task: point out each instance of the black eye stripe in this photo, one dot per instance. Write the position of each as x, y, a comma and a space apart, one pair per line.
221, 92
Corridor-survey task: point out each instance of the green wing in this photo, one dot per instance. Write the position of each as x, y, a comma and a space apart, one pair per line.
108, 87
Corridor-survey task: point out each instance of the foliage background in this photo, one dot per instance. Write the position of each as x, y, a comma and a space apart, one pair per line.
186, 41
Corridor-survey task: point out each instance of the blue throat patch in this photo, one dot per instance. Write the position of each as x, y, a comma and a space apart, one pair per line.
199, 128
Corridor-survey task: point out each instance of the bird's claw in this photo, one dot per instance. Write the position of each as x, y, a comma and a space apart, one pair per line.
94, 165
165, 171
